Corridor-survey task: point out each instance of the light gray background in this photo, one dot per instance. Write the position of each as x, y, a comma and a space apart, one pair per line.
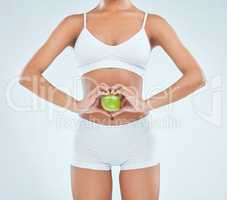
36, 137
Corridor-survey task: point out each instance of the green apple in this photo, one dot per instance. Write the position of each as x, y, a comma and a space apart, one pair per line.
111, 103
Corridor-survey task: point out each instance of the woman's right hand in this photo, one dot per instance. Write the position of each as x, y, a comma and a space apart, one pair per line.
91, 103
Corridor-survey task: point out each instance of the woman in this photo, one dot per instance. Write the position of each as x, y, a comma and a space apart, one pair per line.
112, 43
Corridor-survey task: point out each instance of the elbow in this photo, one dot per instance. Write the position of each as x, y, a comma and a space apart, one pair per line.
24, 83
202, 82
195, 80
27, 78
23, 79
199, 80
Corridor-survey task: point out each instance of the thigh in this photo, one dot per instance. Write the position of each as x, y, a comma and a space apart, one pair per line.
137, 184
88, 184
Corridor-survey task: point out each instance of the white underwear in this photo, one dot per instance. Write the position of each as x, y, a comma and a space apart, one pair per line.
130, 146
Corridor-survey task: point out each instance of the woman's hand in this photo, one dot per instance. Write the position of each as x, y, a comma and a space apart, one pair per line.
91, 103
131, 101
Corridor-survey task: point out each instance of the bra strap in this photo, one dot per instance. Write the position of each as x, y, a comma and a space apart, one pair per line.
85, 20
145, 19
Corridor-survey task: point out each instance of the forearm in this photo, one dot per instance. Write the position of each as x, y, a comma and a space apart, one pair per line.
187, 84
44, 89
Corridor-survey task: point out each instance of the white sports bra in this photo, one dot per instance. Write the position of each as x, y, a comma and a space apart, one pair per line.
132, 54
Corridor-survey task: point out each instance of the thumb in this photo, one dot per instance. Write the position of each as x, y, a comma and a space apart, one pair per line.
124, 109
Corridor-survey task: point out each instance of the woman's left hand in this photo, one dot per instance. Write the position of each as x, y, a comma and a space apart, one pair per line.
131, 102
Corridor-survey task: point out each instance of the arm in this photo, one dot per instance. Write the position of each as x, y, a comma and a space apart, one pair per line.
163, 35
31, 76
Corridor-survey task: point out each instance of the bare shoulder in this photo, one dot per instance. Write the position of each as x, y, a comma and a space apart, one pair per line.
157, 20
75, 19
72, 25
157, 26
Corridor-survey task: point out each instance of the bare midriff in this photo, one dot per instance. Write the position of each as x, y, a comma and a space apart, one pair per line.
112, 76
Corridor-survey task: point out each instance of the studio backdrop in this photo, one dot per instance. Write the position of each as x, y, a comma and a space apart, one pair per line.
36, 136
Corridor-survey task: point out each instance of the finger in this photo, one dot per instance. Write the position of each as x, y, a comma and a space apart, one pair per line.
136, 102
96, 96
127, 96
92, 102
104, 112
105, 85
97, 110
93, 92
128, 109
95, 103
122, 92
115, 87
125, 91
91, 110
117, 113
123, 102
124, 109
105, 88
130, 89
96, 90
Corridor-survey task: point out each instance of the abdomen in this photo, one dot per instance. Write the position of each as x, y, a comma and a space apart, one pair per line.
112, 76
